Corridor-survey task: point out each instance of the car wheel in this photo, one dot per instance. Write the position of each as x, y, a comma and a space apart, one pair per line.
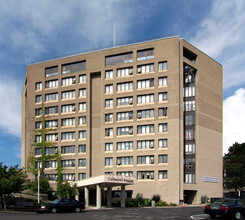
54, 210
77, 210
238, 215
212, 216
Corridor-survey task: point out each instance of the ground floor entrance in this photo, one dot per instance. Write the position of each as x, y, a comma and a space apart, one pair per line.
190, 196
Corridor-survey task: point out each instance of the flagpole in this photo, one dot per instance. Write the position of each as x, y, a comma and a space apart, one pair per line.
38, 183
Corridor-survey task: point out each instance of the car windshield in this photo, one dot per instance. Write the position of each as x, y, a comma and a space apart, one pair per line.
55, 201
225, 201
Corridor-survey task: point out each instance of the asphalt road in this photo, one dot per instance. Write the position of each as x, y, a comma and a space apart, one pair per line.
185, 213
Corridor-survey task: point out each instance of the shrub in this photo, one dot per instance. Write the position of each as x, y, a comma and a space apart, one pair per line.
156, 198
139, 198
131, 202
116, 204
172, 204
162, 203
146, 202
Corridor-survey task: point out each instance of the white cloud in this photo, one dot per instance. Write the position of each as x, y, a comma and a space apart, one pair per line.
10, 96
233, 119
221, 35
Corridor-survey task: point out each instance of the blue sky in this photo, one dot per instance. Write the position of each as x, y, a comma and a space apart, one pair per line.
38, 30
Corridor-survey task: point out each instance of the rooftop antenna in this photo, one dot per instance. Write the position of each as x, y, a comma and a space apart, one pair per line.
114, 35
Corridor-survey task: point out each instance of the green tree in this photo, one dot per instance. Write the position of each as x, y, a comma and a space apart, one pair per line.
234, 167
11, 181
65, 190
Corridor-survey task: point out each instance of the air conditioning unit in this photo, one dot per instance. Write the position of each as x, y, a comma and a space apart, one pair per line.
152, 160
107, 132
130, 71
47, 85
73, 81
130, 131
73, 108
56, 151
130, 101
56, 138
139, 70
56, 123
73, 178
139, 115
152, 145
118, 162
152, 176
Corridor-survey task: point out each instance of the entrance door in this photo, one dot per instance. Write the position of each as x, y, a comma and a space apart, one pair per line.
190, 196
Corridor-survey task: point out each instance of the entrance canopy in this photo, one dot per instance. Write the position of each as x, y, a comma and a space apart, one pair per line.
105, 181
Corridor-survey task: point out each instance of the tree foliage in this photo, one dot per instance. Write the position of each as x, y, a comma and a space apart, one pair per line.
11, 181
65, 190
234, 166
43, 183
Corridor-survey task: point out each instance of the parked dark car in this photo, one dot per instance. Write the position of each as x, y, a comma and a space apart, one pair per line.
232, 208
62, 205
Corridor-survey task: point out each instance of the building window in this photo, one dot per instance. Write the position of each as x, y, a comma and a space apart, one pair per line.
145, 129
82, 78
82, 92
39, 86
109, 132
163, 127
163, 81
128, 145
51, 137
125, 130
148, 113
148, 68
109, 117
68, 163
189, 119
109, 103
67, 122
121, 116
82, 106
68, 177
51, 164
51, 71
38, 98
82, 148
143, 84
189, 134
162, 65
68, 94
82, 162
190, 178
108, 161
73, 67
51, 97
68, 135
108, 89
51, 150
145, 159
82, 120
82, 134
189, 105
38, 111
52, 83
51, 124
108, 146
190, 163
68, 81
38, 138
38, 125
124, 101
190, 149
124, 72
38, 151
68, 149
162, 143
162, 96
163, 158
51, 177
51, 110
124, 160
146, 144
119, 59
81, 176
145, 175
127, 86
145, 54
189, 74
162, 112
189, 91
109, 74
125, 173
145, 98
68, 108
162, 174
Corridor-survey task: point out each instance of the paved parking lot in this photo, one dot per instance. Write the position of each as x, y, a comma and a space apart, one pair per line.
115, 214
